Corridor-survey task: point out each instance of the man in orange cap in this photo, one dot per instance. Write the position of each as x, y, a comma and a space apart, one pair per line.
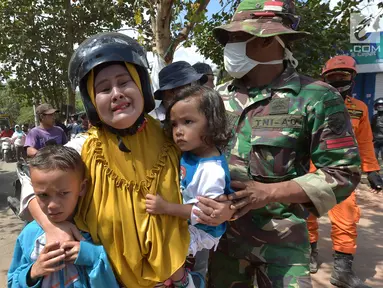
340, 72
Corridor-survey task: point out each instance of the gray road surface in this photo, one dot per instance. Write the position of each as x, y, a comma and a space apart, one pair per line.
10, 225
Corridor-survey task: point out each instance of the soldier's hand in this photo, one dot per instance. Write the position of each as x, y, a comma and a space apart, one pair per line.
251, 195
213, 211
375, 180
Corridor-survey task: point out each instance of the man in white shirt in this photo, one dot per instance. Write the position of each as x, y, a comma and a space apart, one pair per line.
18, 138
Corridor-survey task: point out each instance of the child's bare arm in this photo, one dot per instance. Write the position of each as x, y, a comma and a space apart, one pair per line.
156, 205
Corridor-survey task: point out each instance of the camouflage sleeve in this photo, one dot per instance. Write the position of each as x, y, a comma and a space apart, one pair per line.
333, 151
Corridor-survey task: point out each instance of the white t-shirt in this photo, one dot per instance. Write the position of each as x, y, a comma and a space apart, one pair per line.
18, 138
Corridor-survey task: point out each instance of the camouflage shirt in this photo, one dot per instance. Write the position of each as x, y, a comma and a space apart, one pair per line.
278, 129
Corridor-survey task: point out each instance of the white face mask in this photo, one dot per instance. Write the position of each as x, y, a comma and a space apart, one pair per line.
237, 64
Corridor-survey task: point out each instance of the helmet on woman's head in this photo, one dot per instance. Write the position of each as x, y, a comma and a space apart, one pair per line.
103, 48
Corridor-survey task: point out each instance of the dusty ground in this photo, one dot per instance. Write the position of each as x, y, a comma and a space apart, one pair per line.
368, 260
10, 225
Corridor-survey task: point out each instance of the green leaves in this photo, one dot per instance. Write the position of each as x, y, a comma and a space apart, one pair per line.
37, 41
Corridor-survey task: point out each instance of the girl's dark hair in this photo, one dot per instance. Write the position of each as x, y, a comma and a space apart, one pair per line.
212, 107
58, 157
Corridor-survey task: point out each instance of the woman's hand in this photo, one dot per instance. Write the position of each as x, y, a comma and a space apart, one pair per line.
62, 232
213, 212
71, 249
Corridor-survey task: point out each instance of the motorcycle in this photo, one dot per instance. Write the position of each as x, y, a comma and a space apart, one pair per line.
23, 177
8, 150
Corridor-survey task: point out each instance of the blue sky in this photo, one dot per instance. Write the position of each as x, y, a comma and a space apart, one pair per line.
213, 7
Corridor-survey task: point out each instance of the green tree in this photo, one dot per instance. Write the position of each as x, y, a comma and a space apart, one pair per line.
9, 103
163, 25
38, 38
329, 36
26, 116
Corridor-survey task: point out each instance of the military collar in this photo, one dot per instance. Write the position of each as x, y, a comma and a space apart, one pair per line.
288, 80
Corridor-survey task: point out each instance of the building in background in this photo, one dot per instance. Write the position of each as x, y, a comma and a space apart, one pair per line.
369, 81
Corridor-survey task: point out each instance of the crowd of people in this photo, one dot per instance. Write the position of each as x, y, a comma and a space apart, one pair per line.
217, 183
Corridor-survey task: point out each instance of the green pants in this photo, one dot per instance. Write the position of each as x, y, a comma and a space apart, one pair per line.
228, 272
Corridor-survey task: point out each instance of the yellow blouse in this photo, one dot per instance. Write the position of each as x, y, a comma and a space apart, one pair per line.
143, 249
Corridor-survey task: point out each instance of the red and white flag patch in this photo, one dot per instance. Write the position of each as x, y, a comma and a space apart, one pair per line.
273, 6
340, 143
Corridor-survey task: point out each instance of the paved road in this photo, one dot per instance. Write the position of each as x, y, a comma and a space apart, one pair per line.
10, 225
368, 263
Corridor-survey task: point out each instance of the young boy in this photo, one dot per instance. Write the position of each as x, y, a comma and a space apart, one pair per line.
58, 180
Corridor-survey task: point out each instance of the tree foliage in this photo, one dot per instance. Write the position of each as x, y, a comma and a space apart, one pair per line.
38, 38
16, 106
8, 103
162, 25
26, 116
328, 36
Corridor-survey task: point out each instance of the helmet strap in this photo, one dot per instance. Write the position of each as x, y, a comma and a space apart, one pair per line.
120, 133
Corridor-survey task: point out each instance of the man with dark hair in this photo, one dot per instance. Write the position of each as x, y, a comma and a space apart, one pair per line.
6, 132
205, 69
82, 125
46, 132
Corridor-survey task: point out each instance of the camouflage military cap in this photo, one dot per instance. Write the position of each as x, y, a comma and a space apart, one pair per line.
262, 18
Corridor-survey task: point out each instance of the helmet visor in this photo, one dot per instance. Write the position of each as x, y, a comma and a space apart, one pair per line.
337, 76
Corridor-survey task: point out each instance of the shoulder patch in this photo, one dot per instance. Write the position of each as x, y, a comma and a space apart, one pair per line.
355, 114
332, 102
337, 123
339, 143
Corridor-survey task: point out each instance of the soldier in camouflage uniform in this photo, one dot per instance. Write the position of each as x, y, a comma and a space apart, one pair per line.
281, 121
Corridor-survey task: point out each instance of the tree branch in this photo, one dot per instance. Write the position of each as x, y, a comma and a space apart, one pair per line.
184, 33
162, 26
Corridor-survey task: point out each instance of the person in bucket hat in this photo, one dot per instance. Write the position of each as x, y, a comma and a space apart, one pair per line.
172, 79
204, 68
280, 121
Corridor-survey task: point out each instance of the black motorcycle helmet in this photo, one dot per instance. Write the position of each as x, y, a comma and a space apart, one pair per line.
378, 104
103, 48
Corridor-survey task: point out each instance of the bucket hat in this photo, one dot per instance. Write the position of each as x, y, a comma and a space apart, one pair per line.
177, 74
262, 18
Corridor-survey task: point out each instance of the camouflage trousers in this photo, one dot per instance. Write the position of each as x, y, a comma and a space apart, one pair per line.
228, 272
255, 254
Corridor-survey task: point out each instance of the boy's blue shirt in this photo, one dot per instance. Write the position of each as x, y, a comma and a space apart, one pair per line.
91, 268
